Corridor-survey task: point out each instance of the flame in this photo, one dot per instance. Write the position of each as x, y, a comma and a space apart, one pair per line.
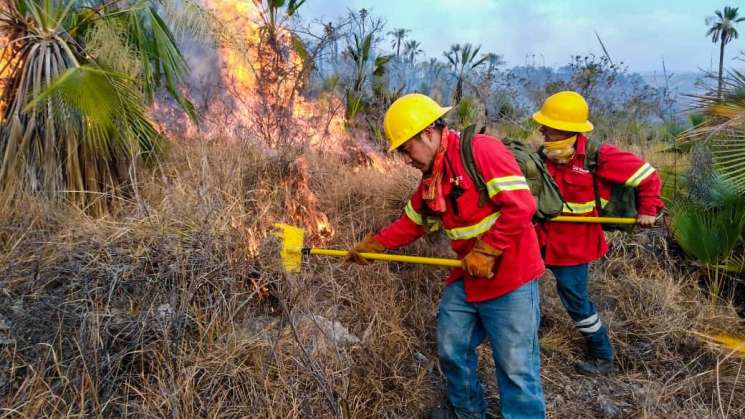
261, 79
254, 91
251, 253
4, 71
238, 40
302, 203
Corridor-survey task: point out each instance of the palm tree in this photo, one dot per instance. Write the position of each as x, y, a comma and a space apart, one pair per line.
398, 38
361, 54
463, 60
430, 72
73, 122
411, 49
272, 13
494, 60
723, 30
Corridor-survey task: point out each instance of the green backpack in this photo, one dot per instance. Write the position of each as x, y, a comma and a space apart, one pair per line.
623, 198
542, 185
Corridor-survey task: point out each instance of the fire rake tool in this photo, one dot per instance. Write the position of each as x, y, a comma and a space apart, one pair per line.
601, 220
293, 250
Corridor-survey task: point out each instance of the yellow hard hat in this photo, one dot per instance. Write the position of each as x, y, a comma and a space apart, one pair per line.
408, 116
565, 111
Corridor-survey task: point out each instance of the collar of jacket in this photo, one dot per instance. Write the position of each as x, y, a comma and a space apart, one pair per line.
580, 147
452, 153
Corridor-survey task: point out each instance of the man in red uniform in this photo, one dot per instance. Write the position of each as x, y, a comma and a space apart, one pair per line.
570, 247
495, 294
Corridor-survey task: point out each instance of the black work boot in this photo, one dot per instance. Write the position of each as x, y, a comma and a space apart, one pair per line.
594, 366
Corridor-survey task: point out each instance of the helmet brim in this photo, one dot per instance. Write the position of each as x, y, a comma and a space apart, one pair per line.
542, 119
417, 129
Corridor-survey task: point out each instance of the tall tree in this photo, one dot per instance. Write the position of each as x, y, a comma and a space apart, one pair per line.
723, 30
411, 49
463, 59
398, 39
494, 60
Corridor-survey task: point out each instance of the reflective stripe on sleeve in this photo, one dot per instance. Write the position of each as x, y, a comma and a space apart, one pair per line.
413, 215
475, 230
506, 183
641, 174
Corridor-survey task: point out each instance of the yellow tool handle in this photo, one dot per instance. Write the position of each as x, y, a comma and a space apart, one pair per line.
391, 257
602, 220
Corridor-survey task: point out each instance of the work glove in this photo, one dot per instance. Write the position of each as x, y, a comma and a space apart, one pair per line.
479, 262
367, 245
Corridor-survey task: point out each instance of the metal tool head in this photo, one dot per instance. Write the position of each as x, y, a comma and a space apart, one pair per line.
735, 344
292, 245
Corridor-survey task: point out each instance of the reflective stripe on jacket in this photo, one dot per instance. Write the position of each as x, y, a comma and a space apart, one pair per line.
504, 221
568, 244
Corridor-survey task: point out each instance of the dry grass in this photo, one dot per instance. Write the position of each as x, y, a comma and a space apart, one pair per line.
174, 306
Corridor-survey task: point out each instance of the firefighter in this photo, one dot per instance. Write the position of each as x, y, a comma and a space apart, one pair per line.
569, 247
495, 295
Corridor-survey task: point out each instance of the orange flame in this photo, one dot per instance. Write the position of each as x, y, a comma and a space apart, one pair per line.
239, 36
4, 71
264, 83
257, 94
302, 204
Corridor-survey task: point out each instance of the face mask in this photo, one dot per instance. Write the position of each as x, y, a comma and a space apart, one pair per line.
560, 151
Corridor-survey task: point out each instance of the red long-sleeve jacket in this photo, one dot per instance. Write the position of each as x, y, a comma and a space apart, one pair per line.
504, 221
568, 244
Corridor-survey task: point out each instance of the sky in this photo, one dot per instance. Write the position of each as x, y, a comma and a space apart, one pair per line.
640, 33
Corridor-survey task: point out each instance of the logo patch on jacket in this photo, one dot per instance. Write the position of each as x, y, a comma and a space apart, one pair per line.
580, 169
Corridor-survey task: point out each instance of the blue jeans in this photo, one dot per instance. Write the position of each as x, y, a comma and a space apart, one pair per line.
511, 324
571, 284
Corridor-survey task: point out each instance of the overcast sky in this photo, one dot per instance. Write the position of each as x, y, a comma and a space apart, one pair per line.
638, 32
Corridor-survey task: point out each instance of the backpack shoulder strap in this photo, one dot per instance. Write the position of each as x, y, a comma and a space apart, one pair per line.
466, 156
592, 153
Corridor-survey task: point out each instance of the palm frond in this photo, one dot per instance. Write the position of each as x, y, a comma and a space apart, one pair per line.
107, 44
189, 17
723, 128
735, 264
707, 234
162, 59
87, 89
479, 62
293, 6
379, 66
728, 153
